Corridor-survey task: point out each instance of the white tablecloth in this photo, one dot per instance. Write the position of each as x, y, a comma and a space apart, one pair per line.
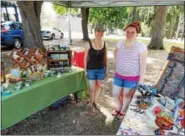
148, 119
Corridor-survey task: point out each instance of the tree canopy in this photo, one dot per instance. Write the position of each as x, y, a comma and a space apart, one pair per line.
117, 17
63, 10
110, 17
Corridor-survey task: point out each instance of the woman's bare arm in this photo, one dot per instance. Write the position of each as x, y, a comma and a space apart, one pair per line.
115, 53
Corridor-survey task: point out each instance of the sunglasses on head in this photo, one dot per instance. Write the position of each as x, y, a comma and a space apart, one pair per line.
99, 30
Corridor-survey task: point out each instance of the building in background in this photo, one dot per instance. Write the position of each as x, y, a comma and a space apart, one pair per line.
10, 12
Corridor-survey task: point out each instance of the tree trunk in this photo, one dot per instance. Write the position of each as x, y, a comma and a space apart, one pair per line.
178, 27
92, 27
30, 13
182, 37
134, 14
171, 30
158, 29
85, 15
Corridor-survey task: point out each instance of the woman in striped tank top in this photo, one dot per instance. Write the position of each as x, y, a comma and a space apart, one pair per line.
130, 56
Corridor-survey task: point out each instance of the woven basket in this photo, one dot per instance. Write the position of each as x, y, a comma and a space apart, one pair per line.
36, 76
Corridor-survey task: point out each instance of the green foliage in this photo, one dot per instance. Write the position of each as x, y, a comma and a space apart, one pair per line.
110, 17
63, 10
118, 17
172, 19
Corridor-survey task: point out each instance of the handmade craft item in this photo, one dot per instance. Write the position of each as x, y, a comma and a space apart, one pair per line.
18, 59
3, 74
171, 79
164, 121
59, 60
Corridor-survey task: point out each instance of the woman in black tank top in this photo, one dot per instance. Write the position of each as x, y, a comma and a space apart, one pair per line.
96, 64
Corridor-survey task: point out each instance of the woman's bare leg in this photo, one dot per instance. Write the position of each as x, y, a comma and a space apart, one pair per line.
98, 90
116, 94
126, 99
92, 84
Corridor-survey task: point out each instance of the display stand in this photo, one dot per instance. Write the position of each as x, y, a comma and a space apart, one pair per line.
171, 78
59, 60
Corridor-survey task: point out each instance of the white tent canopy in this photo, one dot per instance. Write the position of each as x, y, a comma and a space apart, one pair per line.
117, 3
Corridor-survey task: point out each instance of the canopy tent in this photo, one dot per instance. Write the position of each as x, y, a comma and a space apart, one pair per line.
117, 3
114, 3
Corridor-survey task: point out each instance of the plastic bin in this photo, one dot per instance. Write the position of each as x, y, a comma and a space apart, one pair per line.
78, 58
62, 101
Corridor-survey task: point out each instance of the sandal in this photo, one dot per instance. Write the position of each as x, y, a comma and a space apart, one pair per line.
95, 106
115, 113
121, 115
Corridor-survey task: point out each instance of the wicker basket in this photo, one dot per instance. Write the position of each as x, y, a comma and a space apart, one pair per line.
36, 76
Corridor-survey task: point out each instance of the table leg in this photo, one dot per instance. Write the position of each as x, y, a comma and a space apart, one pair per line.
76, 97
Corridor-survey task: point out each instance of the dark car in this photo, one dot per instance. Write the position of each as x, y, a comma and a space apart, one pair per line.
12, 34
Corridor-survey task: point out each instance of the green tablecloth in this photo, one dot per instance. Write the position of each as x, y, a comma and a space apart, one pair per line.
21, 104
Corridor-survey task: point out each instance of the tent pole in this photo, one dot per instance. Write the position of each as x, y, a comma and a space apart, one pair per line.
69, 23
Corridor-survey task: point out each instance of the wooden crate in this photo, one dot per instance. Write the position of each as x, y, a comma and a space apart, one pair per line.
58, 60
171, 79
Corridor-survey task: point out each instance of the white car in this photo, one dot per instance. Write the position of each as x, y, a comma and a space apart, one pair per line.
51, 33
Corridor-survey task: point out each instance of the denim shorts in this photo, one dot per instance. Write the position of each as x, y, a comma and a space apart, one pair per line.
125, 83
96, 74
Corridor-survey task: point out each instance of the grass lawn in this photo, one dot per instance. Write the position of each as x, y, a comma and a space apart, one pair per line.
167, 44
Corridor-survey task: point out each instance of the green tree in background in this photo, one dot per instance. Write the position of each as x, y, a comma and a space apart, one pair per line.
174, 20
146, 16
63, 10
85, 17
110, 17
158, 29
30, 13
117, 17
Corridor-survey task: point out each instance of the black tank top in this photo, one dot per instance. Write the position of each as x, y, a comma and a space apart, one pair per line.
96, 58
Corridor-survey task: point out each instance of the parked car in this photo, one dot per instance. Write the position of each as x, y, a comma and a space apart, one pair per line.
12, 34
48, 33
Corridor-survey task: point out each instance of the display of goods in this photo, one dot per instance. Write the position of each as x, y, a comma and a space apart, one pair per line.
27, 58
129, 131
39, 56
171, 80
157, 110
143, 106
135, 124
18, 59
15, 80
59, 60
3, 74
183, 123
36, 76
164, 122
